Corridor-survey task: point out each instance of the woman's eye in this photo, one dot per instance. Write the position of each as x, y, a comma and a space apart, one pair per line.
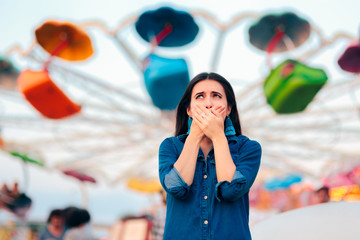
217, 95
199, 96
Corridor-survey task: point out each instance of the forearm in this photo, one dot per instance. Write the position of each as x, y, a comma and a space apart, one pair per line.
225, 167
186, 162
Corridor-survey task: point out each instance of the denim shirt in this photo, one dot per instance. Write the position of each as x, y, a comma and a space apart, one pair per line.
208, 209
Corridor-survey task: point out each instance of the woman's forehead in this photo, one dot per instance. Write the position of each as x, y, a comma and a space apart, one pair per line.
208, 85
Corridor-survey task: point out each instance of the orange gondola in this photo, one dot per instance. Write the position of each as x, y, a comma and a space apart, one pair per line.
64, 40
45, 96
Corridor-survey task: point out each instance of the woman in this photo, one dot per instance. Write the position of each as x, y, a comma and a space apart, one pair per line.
207, 169
55, 226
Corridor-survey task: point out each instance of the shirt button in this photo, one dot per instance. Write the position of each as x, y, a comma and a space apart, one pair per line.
205, 197
206, 222
205, 176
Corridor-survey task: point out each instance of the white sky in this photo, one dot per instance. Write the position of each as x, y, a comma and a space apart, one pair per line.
19, 18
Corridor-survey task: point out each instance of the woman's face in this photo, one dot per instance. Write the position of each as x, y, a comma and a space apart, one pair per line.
210, 94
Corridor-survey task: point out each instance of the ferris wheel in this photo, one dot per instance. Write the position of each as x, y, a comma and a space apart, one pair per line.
66, 119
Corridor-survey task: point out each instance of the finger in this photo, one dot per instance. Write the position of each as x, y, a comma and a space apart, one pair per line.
198, 121
196, 126
218, 107
222, 110
218, 111
205, 110
199, 112
201, 108
199, 116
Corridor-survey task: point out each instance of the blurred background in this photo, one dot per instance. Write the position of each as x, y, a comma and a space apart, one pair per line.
88, 91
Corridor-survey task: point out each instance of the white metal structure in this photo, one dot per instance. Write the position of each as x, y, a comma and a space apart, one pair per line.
118, 132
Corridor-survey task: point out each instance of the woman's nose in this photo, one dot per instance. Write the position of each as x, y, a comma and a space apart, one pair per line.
208, 103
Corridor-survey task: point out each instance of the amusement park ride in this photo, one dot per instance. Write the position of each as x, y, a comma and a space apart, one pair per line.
65, 119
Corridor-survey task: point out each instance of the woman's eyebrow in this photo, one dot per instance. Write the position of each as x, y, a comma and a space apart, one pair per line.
198, 93
217, 92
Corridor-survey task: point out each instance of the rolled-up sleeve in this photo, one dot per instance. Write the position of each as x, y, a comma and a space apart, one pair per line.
247, 166
170, 178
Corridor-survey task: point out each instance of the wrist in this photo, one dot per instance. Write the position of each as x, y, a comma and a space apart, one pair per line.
219, 138
195, 137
